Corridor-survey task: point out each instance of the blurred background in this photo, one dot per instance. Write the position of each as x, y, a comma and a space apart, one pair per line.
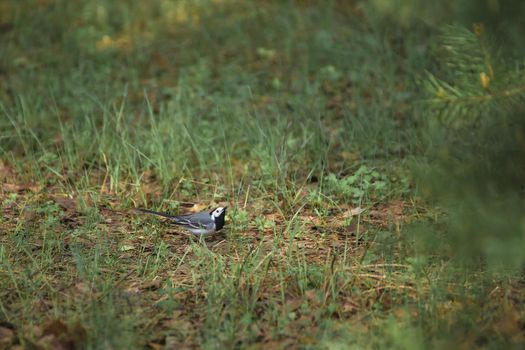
367, 101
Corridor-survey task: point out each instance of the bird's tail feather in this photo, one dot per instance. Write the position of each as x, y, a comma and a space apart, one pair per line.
155, 213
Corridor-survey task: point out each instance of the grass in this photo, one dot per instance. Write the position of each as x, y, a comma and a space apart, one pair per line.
302, 117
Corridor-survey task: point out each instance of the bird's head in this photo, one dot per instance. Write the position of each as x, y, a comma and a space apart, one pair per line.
218, 212
218, 215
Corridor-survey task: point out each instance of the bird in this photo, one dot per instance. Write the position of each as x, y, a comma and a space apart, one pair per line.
201, 223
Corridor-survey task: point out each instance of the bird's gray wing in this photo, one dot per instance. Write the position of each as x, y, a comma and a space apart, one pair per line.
196, 216
197, 221
189, 223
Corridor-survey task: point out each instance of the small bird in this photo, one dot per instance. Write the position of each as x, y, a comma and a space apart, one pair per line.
202, 223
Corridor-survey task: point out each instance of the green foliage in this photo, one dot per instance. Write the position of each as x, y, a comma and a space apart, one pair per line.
479, 179
364, 183
476, 177
476, 83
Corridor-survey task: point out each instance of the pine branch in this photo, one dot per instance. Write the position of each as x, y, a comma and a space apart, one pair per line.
471, 88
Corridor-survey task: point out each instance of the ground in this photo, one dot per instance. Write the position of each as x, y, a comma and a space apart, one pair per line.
305, 119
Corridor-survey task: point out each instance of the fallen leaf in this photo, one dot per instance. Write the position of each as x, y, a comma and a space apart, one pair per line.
155, 346
7, 337
58, 335
66, 202
197, 208
152, 285
356, 211
55, 327
10, 187
5, 170
104, 43
126, 247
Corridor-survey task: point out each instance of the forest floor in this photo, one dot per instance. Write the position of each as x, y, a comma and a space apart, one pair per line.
298, 117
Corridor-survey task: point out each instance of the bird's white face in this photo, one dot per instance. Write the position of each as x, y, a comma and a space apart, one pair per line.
218, 212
